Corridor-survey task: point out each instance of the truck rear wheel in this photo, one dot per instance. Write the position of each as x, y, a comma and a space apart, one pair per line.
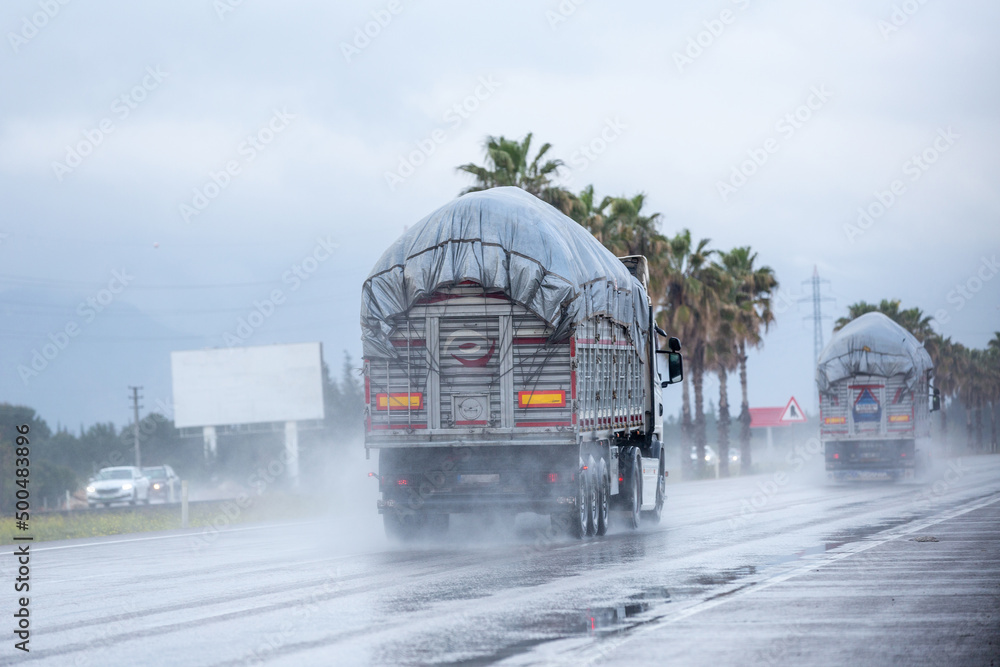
593, 494
579, 519
603, 498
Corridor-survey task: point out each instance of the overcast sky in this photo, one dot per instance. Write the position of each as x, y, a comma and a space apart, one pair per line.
205, 151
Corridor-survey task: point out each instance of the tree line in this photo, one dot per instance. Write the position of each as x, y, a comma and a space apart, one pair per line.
969, 375
717, 302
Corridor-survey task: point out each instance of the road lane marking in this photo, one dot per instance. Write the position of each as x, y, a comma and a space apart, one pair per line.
606, 647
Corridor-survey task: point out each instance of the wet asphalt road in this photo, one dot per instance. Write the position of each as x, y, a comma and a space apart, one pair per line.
741, 571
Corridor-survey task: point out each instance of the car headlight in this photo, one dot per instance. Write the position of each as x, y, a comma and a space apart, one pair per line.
156, 486
126, 487
91, 489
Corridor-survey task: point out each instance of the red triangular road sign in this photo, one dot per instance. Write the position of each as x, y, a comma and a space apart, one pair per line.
793, 413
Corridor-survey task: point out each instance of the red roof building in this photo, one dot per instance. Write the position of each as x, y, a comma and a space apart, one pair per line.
764, 417
786, 416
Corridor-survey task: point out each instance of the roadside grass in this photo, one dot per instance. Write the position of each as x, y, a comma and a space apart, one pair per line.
46, 526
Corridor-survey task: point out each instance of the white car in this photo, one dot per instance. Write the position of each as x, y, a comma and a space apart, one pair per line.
121, 484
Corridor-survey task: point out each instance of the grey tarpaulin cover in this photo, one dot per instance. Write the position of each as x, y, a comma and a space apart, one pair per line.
504, 239
872, 345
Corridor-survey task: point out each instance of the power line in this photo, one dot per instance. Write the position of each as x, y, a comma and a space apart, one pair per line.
92, 336
55, 309
817, 317
56, 283
166, 245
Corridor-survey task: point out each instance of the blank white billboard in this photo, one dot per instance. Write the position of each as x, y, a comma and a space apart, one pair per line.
247, 385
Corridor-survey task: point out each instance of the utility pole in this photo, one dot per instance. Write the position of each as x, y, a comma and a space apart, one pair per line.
135, 412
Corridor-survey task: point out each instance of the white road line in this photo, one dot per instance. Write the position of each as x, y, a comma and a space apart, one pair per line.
604, 648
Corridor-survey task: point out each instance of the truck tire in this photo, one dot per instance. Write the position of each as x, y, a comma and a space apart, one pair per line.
593, 494
580, 518
574, 522
653, 515
603, 498
633, 489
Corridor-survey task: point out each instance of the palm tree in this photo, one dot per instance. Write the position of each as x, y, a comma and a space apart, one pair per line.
752, 287
625, 230
633, 232
687, 304
507, 164
971, 394
945, 355
721, 356
586, 211
993, 385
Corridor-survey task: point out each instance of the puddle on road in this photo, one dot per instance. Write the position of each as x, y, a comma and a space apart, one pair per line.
647, 605
602, 620
864, 532
724, 577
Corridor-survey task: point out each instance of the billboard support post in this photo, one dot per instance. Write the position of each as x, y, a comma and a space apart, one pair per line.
211, 442
292, 452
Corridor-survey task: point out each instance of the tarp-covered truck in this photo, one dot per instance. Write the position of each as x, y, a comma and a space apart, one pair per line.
510, 365
874, 381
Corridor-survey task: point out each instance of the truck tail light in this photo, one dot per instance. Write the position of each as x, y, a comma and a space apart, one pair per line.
553, 477
404, 401
541, 399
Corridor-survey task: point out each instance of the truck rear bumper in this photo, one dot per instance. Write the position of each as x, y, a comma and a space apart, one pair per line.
479, 504
869, 474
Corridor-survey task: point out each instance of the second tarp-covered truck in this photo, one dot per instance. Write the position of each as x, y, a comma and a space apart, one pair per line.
874, 381
511, 365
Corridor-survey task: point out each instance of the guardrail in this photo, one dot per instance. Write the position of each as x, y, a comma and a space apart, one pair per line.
124, 509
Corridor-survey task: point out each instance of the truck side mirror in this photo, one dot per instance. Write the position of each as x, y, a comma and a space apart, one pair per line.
936, 400
675, 368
